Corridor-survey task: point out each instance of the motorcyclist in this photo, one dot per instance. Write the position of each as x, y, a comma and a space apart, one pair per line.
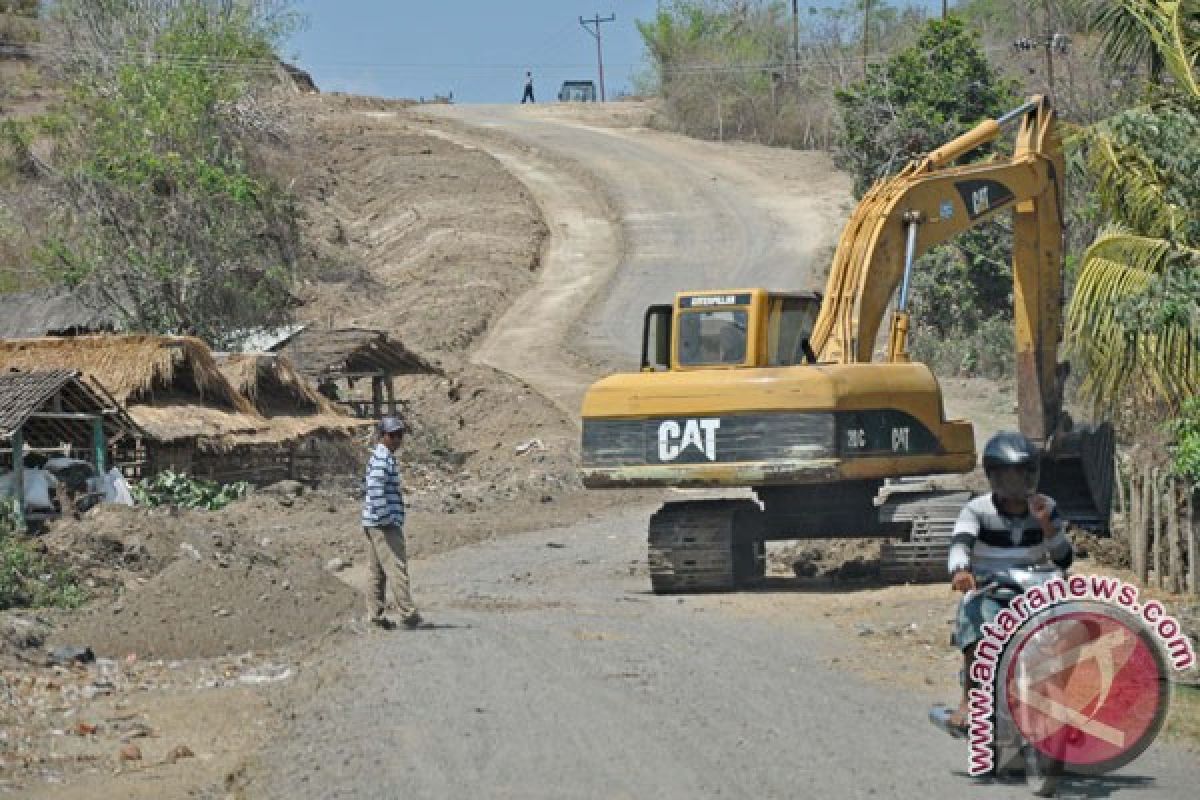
1011, 526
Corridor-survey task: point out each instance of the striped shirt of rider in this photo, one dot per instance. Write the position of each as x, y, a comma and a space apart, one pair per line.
382, 503
987, 540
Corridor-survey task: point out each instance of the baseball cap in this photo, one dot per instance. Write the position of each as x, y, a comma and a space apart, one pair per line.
392, 425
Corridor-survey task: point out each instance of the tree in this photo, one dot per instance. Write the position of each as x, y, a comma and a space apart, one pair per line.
920, 98
1134, 320
162, 211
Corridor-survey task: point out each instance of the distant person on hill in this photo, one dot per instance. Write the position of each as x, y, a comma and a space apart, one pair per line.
528, 88
383, 523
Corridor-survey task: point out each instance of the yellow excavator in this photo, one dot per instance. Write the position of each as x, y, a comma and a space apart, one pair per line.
778, 391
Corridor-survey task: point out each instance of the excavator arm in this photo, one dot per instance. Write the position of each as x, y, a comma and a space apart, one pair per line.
930, 202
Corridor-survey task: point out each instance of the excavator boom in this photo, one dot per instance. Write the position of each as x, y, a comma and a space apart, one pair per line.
929, 203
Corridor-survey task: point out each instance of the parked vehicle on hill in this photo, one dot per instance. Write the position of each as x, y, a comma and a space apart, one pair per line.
577, 92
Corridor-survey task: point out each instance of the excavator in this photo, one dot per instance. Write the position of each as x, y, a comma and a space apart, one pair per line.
782, 393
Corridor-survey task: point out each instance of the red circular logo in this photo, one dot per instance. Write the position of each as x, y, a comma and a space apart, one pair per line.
1087, 687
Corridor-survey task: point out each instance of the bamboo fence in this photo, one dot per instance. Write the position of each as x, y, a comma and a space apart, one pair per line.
1161, 525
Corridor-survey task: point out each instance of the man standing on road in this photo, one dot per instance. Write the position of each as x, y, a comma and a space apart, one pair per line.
528, 88
383, 523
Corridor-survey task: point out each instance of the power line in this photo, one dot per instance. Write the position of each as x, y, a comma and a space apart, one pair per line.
1055, 42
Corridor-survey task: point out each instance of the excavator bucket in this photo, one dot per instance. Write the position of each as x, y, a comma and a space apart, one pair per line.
1078, 472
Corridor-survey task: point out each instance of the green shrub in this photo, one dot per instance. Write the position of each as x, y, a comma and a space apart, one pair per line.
174, 489
162, 204
985, 351
1185, 450
29, 579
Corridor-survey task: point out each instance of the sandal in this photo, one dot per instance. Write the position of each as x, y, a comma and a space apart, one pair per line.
943, 718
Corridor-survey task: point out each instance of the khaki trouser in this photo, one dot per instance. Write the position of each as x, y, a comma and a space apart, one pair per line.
387, 560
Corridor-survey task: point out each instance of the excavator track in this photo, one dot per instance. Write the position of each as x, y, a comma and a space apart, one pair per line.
922, 556
705, 545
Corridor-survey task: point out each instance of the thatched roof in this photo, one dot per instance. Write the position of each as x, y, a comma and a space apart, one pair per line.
135, 369
272, 384
217, 430
52, 312
320, 353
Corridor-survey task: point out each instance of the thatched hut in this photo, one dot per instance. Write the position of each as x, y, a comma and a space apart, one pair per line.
337, 360
197, 420
56, 412
272, 384
137, 369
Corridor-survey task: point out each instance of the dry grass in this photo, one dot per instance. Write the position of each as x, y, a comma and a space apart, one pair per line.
134, 369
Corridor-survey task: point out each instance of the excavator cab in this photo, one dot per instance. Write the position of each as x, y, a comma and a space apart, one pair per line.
743, 328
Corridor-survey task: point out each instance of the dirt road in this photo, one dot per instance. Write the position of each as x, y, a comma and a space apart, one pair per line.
636, 215
552, 672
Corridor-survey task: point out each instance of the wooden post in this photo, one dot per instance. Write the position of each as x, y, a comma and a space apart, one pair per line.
377, 396
391, 395
18, 458
99, 444
1156, 528
1141, 524
1193, 535
1174, 540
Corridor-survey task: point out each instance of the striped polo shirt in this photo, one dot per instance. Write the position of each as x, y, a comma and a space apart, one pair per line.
986, 540
382, 502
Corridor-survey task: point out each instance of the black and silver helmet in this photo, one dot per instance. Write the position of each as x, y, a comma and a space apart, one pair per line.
1012, 464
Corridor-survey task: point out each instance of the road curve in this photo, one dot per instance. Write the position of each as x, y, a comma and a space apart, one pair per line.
636, 215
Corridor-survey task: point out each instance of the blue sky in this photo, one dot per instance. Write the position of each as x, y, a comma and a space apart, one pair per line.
479, 49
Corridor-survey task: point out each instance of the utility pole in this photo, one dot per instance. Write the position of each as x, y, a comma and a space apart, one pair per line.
1050, 43
795, 32
596, 20
943, 10
866, 33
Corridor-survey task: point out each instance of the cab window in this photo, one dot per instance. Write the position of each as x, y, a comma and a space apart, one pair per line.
712, 337
789, 331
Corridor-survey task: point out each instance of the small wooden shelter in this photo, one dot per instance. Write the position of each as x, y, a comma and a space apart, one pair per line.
58, 412
336, 360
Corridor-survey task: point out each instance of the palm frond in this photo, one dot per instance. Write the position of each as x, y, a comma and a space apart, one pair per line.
1163, 30
1115, 355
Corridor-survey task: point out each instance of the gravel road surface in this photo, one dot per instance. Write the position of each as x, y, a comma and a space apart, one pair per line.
551, 672
688, 215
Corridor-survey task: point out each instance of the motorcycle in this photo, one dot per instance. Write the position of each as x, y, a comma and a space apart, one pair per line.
1011, 752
